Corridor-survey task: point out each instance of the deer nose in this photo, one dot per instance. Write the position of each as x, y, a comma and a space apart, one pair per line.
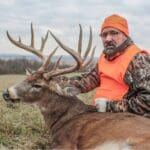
6, 95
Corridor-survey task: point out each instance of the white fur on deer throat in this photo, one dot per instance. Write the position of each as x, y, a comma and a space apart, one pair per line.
60, 91
43, 109
113, 145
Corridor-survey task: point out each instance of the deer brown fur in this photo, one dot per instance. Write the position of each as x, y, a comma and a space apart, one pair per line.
73, 124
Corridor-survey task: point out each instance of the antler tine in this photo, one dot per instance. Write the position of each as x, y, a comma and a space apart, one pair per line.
47, 61
30, 48
89, 45
86, 63
32, 36
43, 40
80, 40
55, 70
69, 50
56, 65
81, 62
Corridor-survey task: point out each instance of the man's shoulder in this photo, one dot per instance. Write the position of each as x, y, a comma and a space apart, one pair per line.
142, 54
140, 59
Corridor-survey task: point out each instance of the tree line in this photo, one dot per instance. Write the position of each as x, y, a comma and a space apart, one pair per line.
19, 65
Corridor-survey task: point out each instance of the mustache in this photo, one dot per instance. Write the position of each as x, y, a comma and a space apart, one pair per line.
110, 43
110, 47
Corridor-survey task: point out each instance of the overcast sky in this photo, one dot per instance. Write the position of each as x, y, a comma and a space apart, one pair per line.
62, 18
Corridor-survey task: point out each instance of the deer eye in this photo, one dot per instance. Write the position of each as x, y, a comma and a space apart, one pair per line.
36, 85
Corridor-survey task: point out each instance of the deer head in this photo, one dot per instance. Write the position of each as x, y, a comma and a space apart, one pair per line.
43, 82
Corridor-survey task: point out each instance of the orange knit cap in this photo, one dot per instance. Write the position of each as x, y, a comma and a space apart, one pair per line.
117, 22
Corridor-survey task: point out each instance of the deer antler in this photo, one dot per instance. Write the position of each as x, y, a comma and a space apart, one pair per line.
31, 48
80, 62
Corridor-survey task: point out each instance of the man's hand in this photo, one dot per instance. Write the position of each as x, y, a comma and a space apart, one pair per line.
101, 104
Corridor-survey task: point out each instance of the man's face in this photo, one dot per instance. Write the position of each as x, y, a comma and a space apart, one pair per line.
112, 38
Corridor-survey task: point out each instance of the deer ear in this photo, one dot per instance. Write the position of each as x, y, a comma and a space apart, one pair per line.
29, 71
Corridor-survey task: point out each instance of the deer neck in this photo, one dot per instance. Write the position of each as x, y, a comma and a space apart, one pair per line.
57, 110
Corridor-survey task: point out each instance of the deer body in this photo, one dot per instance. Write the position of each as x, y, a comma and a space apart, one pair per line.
91, 130
73, 124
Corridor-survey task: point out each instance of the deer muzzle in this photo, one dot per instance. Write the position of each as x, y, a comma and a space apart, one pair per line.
7, 97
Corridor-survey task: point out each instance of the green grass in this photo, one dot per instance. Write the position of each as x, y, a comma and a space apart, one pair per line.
22, 126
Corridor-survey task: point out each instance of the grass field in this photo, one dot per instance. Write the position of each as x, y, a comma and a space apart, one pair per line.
22, 126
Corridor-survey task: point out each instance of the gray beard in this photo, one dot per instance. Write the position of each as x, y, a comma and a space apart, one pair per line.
109, 51
113, 52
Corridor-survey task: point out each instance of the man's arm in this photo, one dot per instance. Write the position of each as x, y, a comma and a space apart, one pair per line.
138, 78
137, 100
77, 84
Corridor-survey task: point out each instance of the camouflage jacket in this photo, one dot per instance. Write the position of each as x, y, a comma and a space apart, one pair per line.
137, 76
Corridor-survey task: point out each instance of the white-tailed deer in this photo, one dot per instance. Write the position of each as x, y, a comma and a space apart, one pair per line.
73, 124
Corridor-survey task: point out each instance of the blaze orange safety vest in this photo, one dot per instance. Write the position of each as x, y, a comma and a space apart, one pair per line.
112, 85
